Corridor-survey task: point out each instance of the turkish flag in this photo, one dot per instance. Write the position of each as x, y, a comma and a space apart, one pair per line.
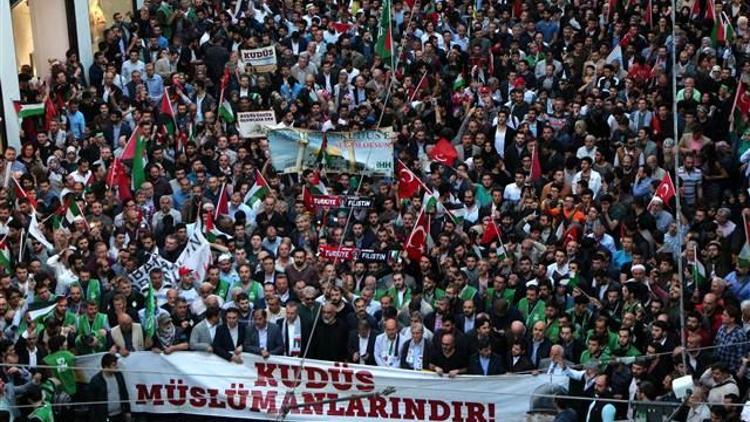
665, 191
444, 152
408, 184
416, 246
491, 232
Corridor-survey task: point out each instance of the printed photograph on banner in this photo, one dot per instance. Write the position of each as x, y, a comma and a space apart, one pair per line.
371, 150
261, 60
255, 124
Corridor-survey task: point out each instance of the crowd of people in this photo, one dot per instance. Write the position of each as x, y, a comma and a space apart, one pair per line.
549, 249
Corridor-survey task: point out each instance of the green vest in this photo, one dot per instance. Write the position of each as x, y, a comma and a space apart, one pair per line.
532, 315
63, 360
553, 331
254, 291
42, 414
222, 289
85, 327
436, 294
467, 293
394, 295
490, 297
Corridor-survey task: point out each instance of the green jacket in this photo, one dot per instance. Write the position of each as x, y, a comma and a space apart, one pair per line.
603, 358
612, 340
42, 414
532, 315
394, 295
85, 328
490, 296
436, 294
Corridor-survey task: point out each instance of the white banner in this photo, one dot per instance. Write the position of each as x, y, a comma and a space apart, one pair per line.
255, 124
261, 59
204, 384
196, 255
139, 277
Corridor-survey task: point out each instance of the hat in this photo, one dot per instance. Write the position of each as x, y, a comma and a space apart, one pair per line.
716, 68
532, 282
71, 149
225, 257
640, 267
163, 318
184, 271
484, 90
519, 82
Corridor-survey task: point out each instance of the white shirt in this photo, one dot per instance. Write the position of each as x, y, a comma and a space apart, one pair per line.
212, 329
234, 332
362, 348
263, 337
386, 351
595, 182
512, 193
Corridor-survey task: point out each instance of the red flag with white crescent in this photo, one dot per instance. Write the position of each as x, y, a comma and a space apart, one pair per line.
408, 184
416, 246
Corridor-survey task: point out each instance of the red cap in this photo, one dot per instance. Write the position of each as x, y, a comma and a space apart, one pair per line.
184, 271
484, 90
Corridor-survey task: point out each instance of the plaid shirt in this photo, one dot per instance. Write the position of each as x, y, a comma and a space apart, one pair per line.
729, 352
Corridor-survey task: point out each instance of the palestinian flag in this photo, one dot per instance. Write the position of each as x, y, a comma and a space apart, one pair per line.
166, 113
698, 270
318, 187
226, 112
139, 164
128, 152
722, 32
70, 212
5, 259
430, 201
116, 177
740, 110
257, 193
28, 110
323, 159
459, 82
21, 193
501, 252
384, 45
222, 204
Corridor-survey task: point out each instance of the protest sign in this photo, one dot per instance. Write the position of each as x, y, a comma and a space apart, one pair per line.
262, 59
204, 384
293, 150
255, 124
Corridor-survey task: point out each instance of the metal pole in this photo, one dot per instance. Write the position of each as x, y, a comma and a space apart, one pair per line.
678, 208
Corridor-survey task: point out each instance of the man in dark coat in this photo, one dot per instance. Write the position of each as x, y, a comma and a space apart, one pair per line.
230, 337
98, 393
330, 337
485, 362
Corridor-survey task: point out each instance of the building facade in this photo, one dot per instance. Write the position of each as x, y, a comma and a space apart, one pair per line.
43, 30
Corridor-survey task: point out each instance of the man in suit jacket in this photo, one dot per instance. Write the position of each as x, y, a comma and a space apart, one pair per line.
361, 344
295, 330
29, 352
230, 337
555, 363
128, 336
416, 351
517, 360
100, 411
539, 345
203, 333
485, 362
263, 338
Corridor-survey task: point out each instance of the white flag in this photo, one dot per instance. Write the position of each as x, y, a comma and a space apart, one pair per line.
196, 255
37, 234
615, 56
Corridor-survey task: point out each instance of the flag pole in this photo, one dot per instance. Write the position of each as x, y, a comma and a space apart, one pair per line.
678, 207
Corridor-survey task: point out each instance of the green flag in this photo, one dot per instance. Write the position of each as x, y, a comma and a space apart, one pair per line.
139, 164
384, 45
149, 322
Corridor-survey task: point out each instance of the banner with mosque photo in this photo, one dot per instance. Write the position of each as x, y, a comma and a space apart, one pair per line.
293, 150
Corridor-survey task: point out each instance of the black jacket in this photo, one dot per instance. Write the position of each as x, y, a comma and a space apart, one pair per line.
495, 367
426, 355
98, 394
353, 346
223, 345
